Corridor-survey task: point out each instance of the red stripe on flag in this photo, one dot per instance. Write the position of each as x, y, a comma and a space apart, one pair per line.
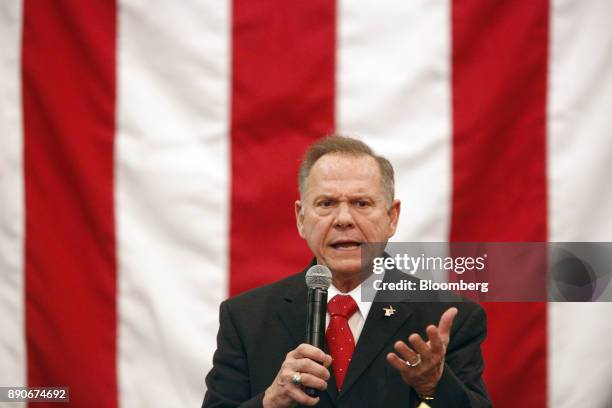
499, 53
282, 100
68, 73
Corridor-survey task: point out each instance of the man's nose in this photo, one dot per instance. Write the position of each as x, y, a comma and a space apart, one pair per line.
344, 218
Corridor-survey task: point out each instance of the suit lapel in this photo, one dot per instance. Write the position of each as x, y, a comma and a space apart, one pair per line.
379, 329
376, 333
293, 313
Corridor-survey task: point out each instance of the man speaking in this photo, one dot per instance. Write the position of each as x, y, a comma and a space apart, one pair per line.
399, 354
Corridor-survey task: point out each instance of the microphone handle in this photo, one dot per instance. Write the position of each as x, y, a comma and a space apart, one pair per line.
315, 324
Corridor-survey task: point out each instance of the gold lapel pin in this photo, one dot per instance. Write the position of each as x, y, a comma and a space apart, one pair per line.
389, 311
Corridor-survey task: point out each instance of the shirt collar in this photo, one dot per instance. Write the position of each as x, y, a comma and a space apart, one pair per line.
363, 307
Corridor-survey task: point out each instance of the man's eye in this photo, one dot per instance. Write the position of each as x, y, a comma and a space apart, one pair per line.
362, 203
325, 203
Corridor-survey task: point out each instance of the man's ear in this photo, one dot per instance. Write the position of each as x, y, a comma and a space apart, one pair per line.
299, 217
394, 213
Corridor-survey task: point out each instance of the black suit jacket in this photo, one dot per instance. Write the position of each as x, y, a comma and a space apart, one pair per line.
258, 328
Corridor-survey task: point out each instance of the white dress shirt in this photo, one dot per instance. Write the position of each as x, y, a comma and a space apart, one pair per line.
357, 320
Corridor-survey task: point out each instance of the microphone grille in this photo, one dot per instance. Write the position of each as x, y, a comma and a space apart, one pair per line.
318, 276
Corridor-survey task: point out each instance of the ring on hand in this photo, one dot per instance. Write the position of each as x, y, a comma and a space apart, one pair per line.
296, 378
416, 363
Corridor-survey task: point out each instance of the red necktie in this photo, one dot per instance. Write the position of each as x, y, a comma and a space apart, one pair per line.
339, 337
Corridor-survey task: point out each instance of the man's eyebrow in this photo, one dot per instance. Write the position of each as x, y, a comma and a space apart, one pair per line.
324, 196
351, 197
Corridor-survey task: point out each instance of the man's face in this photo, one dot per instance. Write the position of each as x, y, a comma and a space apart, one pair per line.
344, 205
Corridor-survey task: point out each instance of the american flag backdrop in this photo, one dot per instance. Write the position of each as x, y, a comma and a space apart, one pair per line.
148, 168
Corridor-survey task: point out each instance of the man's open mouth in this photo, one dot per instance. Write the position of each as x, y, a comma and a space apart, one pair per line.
346, 245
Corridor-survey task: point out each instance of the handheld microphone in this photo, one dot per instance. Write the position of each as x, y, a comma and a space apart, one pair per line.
318, 280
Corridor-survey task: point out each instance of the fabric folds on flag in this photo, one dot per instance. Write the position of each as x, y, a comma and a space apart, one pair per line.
149, 155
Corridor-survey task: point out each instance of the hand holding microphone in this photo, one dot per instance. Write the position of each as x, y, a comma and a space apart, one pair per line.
305, 370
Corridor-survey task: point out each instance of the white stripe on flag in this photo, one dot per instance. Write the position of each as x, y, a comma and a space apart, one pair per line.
12, 217
393, 81
580, 102
172, 196
579, 167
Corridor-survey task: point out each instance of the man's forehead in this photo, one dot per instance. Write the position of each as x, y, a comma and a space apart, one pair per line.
335, 165
334, 174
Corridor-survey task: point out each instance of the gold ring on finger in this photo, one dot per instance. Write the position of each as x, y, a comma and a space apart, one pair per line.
416, 363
